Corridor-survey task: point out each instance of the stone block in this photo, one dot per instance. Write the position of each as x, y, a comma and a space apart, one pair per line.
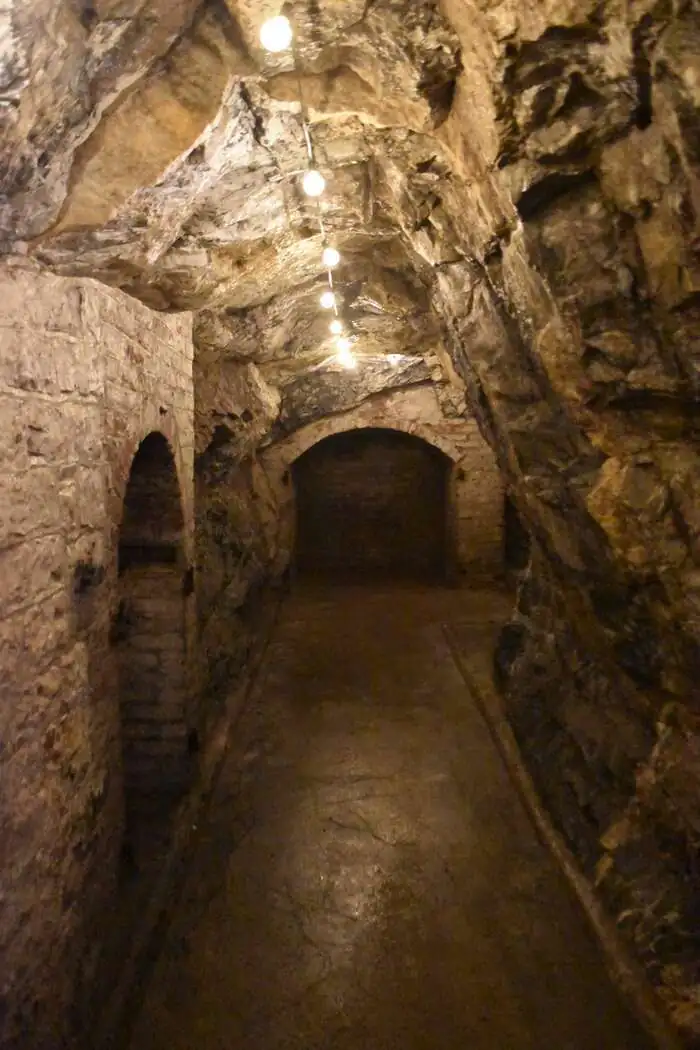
70, 431
30, 571
46, 303
30, 505
49, 362
29, 641
81, 498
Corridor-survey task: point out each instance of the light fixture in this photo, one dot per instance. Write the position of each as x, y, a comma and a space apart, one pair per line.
314, 183
276, 34
346, 358
331, 257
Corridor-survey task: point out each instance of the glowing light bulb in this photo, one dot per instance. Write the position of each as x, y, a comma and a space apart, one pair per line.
346, 358
276, 34
328, 300
336, 326
331, 257
343, 345
314, 183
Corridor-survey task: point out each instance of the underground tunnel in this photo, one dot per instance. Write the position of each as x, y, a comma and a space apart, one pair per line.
371, 504
350, 541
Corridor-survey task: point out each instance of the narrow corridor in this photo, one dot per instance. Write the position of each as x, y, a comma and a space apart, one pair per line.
366, 877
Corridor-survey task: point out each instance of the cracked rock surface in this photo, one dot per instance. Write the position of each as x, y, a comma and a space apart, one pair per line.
515, 187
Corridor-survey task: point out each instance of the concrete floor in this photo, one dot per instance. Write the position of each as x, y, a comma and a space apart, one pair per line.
366, 877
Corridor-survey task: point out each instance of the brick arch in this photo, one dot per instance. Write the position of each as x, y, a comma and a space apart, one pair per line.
373, 503
476, 486
281, 459
305, 439
151, 427
152, 499
149, 635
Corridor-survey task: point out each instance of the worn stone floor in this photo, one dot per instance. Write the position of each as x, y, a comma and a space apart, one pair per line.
366, 877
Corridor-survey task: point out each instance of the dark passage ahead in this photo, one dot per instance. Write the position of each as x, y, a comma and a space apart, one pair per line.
372, 503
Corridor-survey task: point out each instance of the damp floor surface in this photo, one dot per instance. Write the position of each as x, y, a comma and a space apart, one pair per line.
366, 877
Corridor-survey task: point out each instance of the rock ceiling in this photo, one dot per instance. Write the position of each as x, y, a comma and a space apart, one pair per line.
515, 187
161, 150
157, 146
515, 181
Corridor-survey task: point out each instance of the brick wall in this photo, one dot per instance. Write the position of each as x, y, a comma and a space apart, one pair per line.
477, 506
150, 636
476, 499
372, 503
85, 374
152, 685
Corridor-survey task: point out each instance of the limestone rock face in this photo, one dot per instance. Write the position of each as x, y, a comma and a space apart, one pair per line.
515, 189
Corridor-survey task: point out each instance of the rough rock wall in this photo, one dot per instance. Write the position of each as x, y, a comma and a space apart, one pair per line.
86, 374
235, 539
236, 556
573, 318
517, 180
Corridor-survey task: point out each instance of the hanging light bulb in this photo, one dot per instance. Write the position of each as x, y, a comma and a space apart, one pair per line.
276, 34
328, 300
314, 183
343, 344
336, 326
331, 257
345, 356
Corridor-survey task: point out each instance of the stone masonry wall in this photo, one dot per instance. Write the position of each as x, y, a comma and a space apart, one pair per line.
153, 693
246, 501
372, 503
477, 503
476, 489
85, 374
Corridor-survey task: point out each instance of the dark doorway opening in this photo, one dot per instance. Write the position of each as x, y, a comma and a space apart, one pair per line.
372, 504
516, 541
150, 638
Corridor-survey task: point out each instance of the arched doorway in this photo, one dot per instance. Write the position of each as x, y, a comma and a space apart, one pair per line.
150, 637
372, 503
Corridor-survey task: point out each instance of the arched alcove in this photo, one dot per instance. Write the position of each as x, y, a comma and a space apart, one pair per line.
372, 502
150, 636
475, 485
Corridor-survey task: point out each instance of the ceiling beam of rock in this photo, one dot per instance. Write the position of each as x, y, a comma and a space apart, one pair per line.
384, 304
515, 188
180, 181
